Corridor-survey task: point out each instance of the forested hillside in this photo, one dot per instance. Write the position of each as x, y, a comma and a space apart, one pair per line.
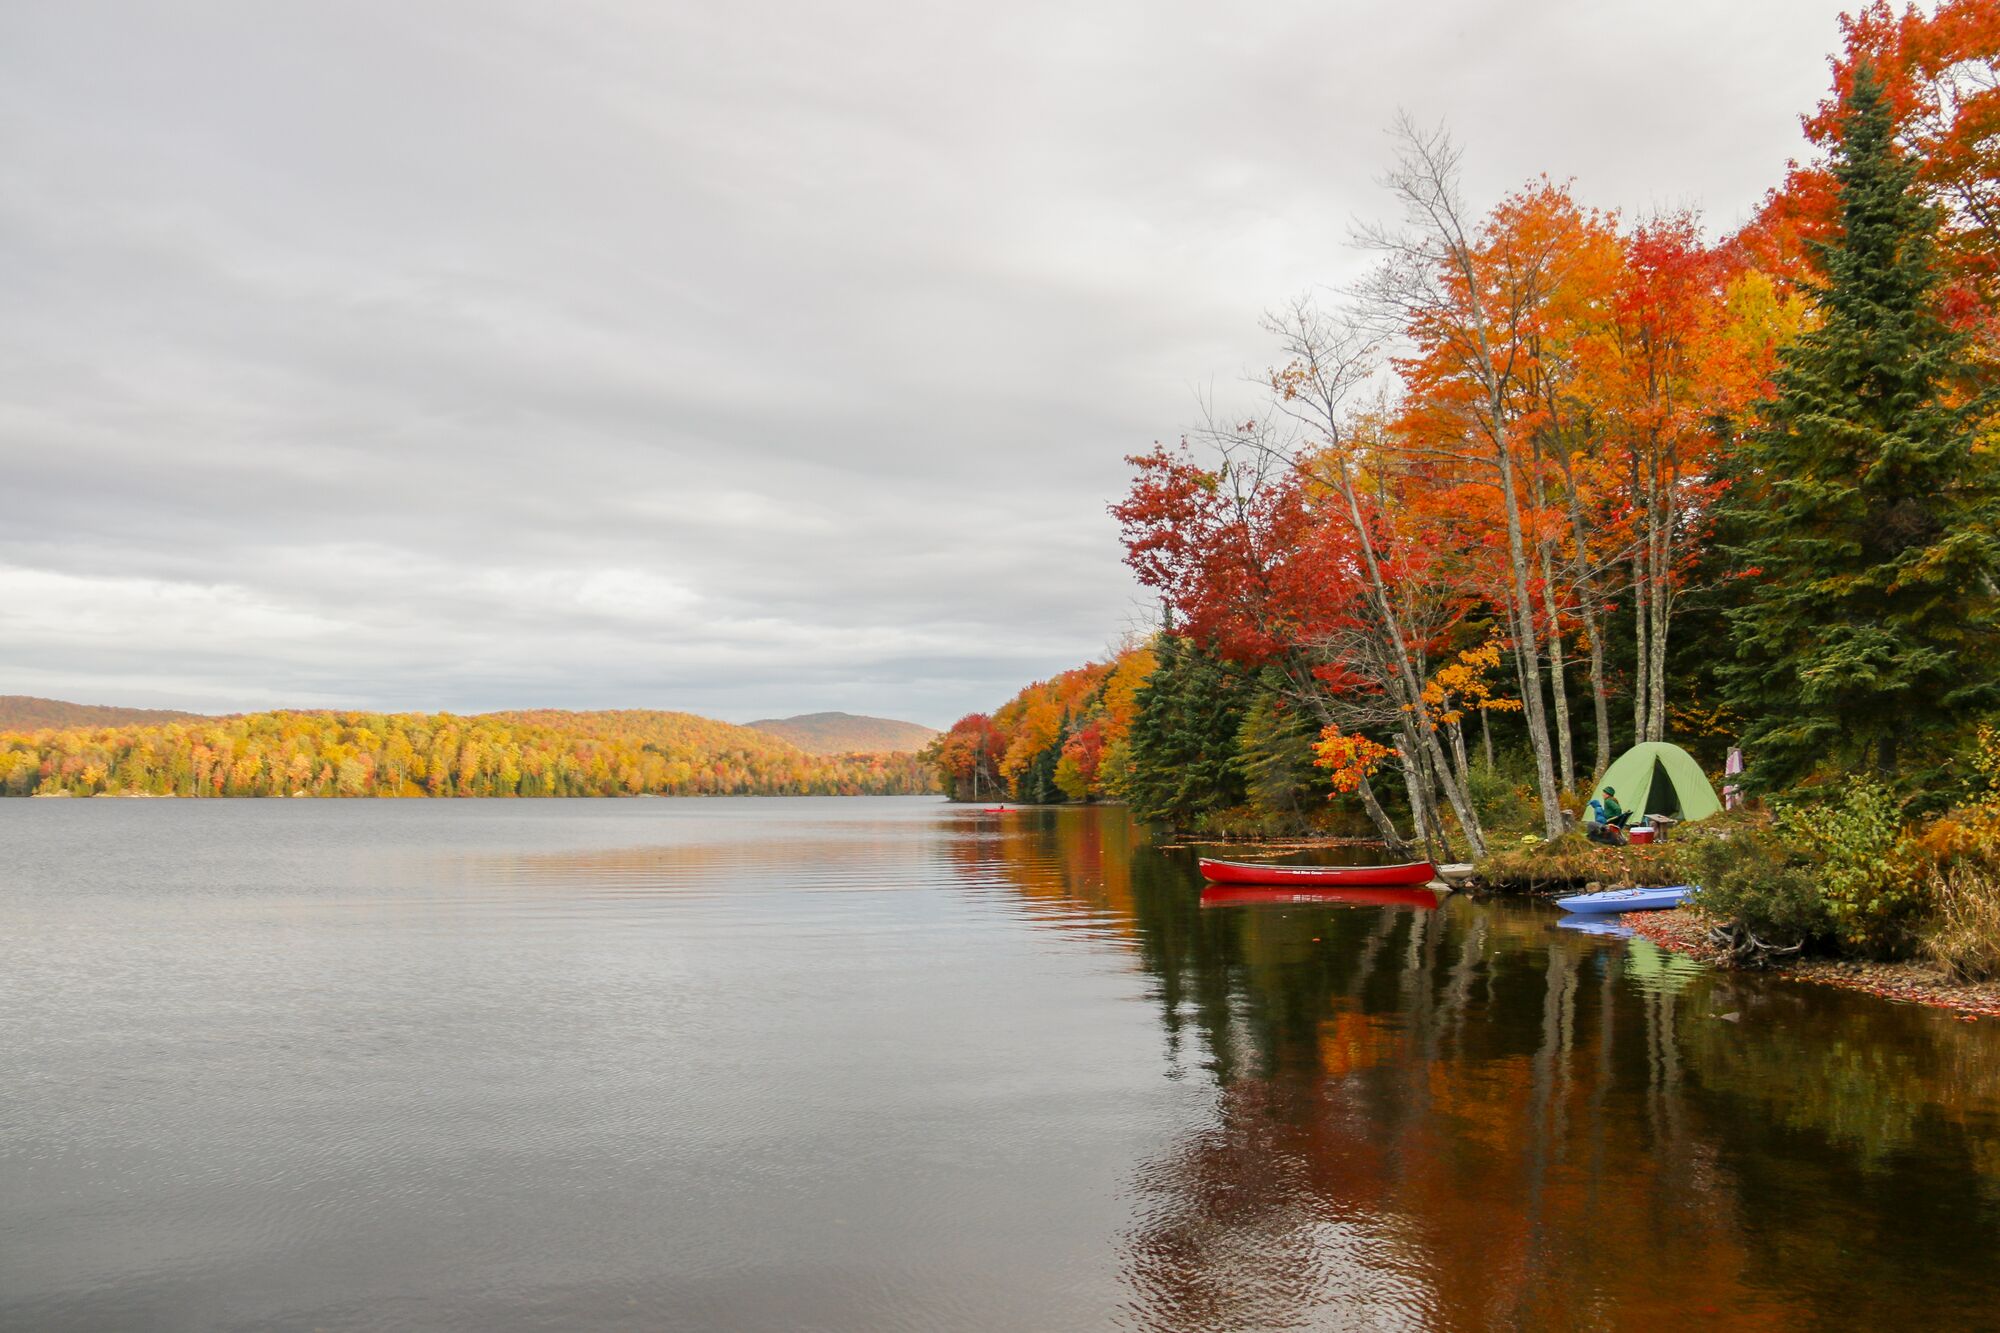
536, 753
847, 733
24, 712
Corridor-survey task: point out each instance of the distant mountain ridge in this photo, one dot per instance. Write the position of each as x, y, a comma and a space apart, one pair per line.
25, 712
847, 733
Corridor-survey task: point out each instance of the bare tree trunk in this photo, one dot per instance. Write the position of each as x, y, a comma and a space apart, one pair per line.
1593, 618
1334, 359
1380, 817
1662, 613
1459, 764
1528, 650
1413, 790
1559, 695
1662, 604
1558, 682
1642, 611
1416, 710
1486, 730
1430, 829
1594, 626
1439, 241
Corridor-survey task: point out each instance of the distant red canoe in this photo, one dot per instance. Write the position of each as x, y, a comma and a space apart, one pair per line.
1245, 895
1331, 877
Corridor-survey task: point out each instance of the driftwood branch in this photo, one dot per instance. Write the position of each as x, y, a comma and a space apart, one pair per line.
1744, 949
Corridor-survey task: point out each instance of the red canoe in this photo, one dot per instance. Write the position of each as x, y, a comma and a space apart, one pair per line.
1246, 895
1332, 877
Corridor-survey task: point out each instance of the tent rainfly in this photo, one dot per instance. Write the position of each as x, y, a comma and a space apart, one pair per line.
1655, 778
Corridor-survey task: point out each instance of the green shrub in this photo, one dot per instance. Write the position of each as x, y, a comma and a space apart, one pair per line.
1871, 889
1839, 871
1757, 878
1501, 799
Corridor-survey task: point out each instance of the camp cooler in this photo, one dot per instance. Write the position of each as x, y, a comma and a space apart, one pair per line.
1653, 830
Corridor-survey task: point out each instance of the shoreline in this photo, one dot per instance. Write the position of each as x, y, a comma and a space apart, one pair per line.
510, 796
1684, 930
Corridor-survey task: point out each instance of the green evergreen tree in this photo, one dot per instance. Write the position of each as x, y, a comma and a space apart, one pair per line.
1863, 511
1038, 781
1183, 742
1275, 751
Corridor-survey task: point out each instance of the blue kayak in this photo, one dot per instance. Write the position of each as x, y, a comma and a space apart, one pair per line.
1595, 923
1628, 900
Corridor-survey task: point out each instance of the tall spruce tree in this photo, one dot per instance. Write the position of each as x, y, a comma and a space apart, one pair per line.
1274, 751
1862, 515
1183, 741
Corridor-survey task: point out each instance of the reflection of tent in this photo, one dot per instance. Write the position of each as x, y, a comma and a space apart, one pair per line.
1655, 778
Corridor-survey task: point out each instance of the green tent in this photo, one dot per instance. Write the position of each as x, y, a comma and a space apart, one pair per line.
1655, 778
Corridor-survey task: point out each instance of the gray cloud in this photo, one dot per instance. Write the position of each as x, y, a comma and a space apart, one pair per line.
749, 359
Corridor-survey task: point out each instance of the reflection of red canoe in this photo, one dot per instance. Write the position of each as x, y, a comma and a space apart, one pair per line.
1241, 872
1241, 895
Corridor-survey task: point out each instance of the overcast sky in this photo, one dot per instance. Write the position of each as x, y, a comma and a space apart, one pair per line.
746, 358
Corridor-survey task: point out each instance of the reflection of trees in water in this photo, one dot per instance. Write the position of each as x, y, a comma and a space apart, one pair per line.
856, 855
1065, 860
1403, 1144
1469, 1119
1869, 1135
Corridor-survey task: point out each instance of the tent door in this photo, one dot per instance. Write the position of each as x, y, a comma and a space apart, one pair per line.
1662, 798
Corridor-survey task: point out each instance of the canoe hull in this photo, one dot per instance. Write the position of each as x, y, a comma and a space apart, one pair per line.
1324, 877
1264, 895
1627, 900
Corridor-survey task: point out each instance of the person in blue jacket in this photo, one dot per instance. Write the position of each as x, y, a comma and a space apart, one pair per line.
1607, 819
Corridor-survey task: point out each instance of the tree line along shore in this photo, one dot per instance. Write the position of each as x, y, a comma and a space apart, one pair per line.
350, 754
1552, 481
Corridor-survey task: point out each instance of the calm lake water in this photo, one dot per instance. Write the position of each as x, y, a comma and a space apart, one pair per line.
887, 1064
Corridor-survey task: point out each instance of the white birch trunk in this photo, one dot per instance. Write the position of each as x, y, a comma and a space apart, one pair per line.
1430, 830
1558, 682
1403, 677
1665, 517
1380, 817
1528, 648
1642, 611
1599, 696
1593, 624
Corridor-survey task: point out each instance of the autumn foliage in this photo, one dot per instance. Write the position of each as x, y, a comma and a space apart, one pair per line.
1065, 738
537, 753
1484, 491
1347, 759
